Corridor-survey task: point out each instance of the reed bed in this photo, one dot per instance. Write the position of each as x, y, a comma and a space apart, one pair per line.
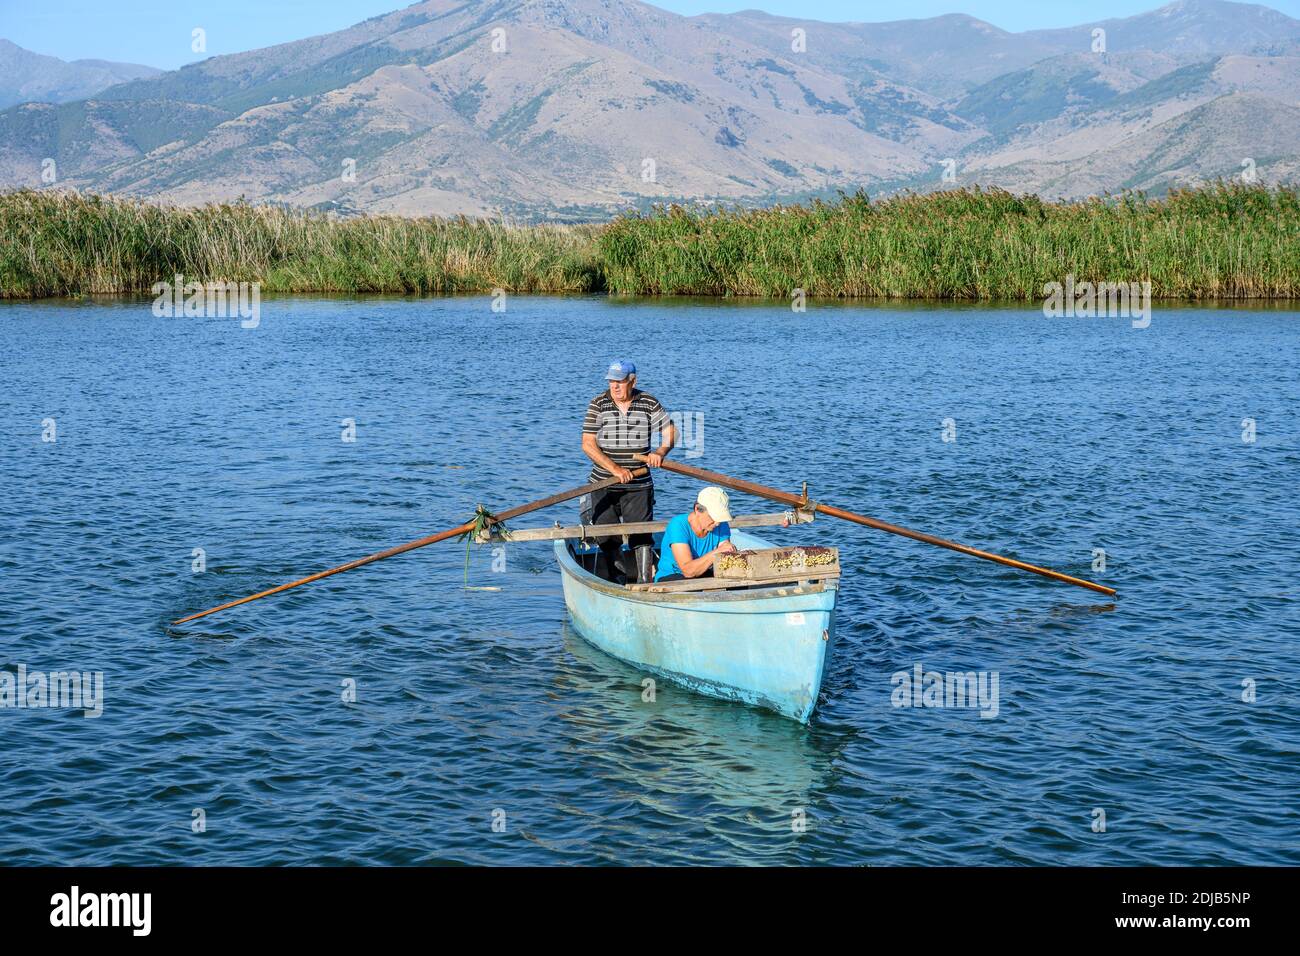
1220, 241
55, 244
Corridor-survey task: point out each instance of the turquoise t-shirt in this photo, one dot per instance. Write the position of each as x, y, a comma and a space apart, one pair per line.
679, 532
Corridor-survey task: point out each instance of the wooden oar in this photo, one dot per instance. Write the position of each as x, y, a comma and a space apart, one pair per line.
762, 491
418, 543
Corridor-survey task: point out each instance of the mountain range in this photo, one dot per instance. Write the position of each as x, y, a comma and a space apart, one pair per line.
26, 76
575, 109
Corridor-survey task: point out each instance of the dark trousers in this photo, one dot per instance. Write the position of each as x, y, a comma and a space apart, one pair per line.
625, 504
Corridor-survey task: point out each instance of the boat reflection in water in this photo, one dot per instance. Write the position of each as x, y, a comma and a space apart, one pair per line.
673, 744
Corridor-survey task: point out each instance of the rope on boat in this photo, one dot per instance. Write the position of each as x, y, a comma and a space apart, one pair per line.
481, 523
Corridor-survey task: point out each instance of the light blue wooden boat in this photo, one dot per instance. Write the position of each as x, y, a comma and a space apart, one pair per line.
764, 645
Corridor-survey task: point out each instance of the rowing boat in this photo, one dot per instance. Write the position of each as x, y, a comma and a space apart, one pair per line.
759, 630
763, 643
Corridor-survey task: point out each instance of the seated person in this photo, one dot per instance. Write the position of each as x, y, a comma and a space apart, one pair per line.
693, 541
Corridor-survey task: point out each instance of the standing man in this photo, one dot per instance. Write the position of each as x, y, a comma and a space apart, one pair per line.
617, 428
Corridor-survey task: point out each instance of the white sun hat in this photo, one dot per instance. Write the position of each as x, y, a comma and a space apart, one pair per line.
715, 501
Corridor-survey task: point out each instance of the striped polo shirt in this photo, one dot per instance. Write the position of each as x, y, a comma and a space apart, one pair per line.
623, 436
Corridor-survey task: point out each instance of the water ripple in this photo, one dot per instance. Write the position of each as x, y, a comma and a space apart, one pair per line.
475, 708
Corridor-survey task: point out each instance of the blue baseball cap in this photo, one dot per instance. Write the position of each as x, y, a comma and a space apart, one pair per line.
619, 371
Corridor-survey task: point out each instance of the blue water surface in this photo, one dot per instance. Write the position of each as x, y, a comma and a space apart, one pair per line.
1172, 710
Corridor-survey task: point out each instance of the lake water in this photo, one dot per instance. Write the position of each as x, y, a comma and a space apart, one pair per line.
475, 706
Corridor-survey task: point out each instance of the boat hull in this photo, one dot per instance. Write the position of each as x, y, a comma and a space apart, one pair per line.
766, 647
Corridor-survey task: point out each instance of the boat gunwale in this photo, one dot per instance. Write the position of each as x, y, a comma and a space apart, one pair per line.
569, 566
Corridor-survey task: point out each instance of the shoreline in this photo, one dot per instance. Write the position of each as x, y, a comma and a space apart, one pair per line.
1224, 242
1271, 303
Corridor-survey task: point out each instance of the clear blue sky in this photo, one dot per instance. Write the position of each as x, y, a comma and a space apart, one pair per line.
157, 32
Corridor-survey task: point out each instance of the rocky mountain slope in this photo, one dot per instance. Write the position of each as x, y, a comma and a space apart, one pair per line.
572, 109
